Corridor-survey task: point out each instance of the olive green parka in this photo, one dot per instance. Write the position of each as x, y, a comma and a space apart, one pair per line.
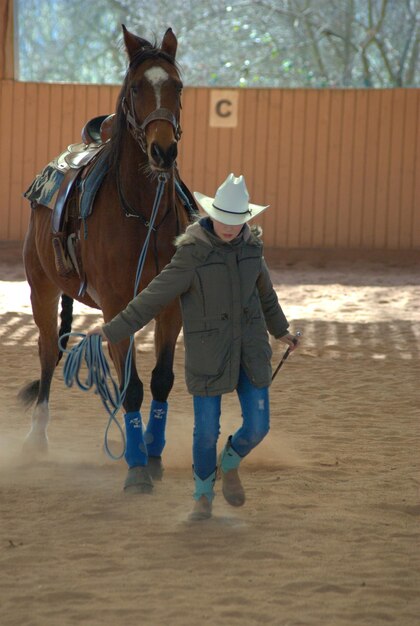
228, 304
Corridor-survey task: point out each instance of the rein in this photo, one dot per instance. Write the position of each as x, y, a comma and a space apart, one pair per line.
90, 350
128, 209
130, 212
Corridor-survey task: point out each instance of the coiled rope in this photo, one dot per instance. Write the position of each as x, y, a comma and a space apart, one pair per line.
89, 351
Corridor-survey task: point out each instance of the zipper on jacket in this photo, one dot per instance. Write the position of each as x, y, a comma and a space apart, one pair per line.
203, 300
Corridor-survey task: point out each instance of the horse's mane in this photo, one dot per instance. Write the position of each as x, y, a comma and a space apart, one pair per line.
150, 51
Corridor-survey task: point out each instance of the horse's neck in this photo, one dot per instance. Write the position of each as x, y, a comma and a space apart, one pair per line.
139, 187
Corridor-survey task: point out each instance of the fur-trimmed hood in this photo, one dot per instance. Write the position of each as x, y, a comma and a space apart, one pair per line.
195, 232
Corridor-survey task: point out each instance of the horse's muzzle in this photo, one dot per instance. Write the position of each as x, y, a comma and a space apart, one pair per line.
162, 158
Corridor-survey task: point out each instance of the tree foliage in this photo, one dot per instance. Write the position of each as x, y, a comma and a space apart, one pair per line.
242, 43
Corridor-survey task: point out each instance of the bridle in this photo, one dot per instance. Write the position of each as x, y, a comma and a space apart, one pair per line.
138, 131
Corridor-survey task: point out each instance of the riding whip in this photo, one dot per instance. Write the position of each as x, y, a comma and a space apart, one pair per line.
285, 355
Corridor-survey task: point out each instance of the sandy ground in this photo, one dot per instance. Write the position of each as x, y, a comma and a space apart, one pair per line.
330, 531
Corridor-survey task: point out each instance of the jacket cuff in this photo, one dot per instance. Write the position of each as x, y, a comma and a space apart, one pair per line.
115, 333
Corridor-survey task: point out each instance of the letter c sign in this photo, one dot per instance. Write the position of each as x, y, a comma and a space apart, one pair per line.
223, 108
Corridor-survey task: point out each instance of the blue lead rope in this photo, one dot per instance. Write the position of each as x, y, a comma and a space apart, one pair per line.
89, 350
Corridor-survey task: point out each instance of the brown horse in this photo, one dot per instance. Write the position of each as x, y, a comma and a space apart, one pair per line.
143, 146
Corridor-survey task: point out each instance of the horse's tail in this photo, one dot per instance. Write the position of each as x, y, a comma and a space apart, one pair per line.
29, 393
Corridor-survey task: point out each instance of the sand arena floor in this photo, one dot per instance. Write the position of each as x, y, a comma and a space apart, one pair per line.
329, 535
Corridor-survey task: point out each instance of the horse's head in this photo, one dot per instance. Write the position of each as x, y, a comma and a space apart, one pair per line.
151, 98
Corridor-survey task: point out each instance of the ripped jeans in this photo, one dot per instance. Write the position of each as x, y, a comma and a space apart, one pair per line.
207, 410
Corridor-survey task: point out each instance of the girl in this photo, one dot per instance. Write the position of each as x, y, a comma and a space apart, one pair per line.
228, 304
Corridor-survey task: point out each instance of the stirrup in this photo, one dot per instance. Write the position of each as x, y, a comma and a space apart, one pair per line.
63, 264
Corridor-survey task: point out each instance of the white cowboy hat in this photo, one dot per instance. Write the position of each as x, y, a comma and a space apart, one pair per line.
231, 204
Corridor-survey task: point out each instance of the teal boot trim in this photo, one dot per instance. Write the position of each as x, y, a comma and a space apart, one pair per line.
229, 459
204, 487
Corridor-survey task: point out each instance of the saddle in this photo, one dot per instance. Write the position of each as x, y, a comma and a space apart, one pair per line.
76, 164
98, 129
95, 135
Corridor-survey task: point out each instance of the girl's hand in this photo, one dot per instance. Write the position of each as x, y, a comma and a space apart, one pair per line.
97, 330
292, 341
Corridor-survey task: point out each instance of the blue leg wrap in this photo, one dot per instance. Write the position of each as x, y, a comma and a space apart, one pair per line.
135, 451
204, 487
229, 459
155, 431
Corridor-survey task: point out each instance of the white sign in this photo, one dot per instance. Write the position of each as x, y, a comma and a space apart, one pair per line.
224, 108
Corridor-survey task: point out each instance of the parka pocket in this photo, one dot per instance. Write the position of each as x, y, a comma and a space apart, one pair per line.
204, 354
256, 352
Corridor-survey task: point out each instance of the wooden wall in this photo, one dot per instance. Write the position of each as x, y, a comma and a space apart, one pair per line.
340, 168
7, 60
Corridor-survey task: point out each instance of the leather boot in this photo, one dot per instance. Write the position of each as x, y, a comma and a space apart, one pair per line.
201, 510
203, 496
228, 470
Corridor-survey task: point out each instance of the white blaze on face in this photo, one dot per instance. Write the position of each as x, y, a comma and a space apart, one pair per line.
156, 77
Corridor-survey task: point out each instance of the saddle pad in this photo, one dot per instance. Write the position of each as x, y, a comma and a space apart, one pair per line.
45, 186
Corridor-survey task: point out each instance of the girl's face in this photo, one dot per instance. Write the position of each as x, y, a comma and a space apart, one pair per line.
225, 232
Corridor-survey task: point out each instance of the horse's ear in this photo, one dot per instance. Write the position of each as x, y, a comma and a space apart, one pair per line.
133, 43
169, 43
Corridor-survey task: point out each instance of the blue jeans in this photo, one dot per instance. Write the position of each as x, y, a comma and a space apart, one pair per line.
207, 410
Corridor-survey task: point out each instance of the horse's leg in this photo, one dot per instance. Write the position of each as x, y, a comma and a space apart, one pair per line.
138, 477
167, 327
44, 299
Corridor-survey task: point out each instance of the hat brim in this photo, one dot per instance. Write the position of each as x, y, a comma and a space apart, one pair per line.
230, 219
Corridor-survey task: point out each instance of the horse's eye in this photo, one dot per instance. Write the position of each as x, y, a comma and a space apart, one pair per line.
135, 90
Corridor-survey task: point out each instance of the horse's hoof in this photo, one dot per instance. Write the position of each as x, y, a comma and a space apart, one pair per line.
156, 468
138, 480
35, 447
